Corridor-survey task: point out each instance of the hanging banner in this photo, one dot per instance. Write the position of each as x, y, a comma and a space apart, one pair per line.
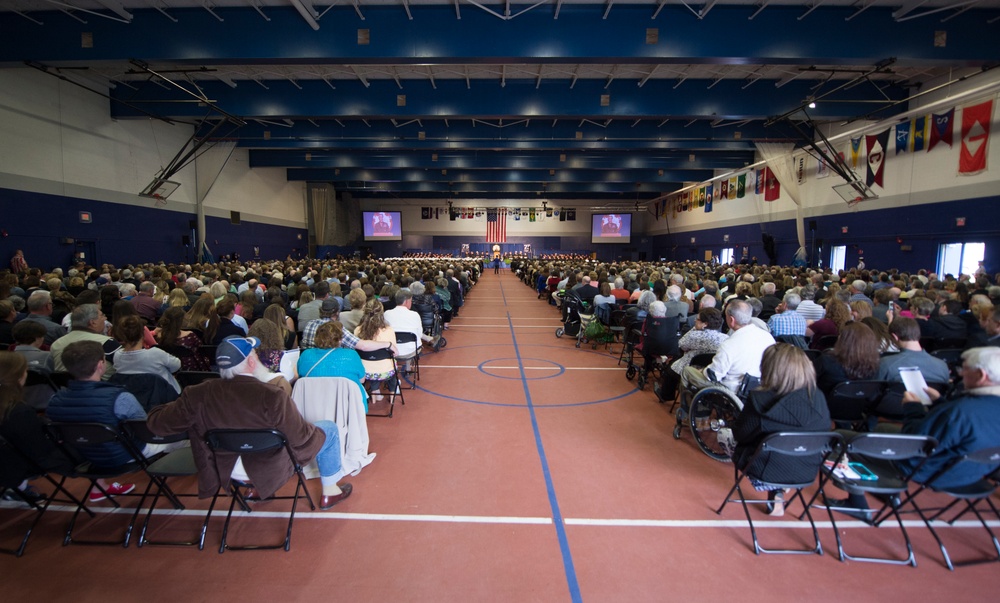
875, 145
975, 137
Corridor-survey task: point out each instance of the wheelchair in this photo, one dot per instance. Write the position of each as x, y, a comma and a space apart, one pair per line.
706, 411
430, 320
657, 337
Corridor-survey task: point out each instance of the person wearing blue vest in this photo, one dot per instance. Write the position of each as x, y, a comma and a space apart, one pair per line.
87, 399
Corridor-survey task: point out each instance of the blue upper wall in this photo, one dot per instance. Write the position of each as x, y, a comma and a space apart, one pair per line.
121, 234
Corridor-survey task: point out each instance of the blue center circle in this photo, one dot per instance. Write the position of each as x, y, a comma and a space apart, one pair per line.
515, 374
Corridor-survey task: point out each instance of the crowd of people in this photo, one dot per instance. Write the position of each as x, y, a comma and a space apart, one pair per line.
802, 332
103, 324
122, 334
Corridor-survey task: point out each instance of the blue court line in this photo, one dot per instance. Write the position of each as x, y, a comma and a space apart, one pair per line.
557, 520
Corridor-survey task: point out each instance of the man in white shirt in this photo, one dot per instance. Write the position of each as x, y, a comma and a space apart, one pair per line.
404, 320
738, 355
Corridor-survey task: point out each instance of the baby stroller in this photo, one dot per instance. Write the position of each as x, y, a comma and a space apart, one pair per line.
658, 337
430, 320
572, 308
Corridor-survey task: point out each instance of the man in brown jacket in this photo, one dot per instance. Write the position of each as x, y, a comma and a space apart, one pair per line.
242, 399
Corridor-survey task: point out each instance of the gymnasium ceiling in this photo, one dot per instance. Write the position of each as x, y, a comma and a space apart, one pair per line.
462, 100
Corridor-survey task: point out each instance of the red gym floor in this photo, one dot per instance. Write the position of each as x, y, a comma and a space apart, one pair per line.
522, 469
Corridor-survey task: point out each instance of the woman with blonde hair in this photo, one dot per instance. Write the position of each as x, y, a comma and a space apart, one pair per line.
787, 400
276, 314
176, 299
203, 318
860, 309
373, 327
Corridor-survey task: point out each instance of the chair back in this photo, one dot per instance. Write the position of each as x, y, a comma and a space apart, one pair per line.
826, 342
890, 406
851, 401
39, 378
747, 384
138, 429
801, 443
702, 360
379, 354
100, 444
796, 340
891, 446
791, 459
245, 441
405, 337
188, 378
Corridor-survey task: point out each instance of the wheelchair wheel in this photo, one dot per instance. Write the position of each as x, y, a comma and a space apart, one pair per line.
442, 342
641, 384
630, 372
677, 431
712, 409
560, 331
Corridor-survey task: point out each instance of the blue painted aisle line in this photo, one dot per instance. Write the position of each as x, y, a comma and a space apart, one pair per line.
557, 520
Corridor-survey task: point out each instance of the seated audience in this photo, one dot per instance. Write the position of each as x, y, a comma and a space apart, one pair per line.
88, 324
276, 314
40, 310
373, 327
787, 400
180, 342
704, 338
855, 357
21, 426
240, 400
906, 334
133, 358
837, 315
739, 354
328, 359
786, 320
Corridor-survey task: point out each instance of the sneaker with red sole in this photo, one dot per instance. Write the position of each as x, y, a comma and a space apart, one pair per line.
115, 489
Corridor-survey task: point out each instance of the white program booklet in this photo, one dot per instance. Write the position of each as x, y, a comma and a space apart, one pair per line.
287, 367
914, 382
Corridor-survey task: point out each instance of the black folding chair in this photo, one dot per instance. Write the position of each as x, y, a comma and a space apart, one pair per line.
412, 374
394, 391
987, 460
189, 378
177, 463
73, 439
878, 452
797, 446
9, 450
851, 402
245, 442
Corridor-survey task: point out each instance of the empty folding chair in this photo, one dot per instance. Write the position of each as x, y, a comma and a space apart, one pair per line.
814, 446
245, 442
177, 463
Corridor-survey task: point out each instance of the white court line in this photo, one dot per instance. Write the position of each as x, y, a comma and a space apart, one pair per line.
510, 520
498, 326
527, 368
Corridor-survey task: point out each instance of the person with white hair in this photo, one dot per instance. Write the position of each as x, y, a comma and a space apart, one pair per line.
40, 309
738, 355
858, 289
966, 422
242, 399
786, 320
674, 305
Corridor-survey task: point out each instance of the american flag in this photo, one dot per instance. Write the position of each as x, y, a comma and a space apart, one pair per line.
496, 225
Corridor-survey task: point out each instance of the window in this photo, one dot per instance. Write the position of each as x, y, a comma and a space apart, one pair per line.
960, 258
838, 255
727, 256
